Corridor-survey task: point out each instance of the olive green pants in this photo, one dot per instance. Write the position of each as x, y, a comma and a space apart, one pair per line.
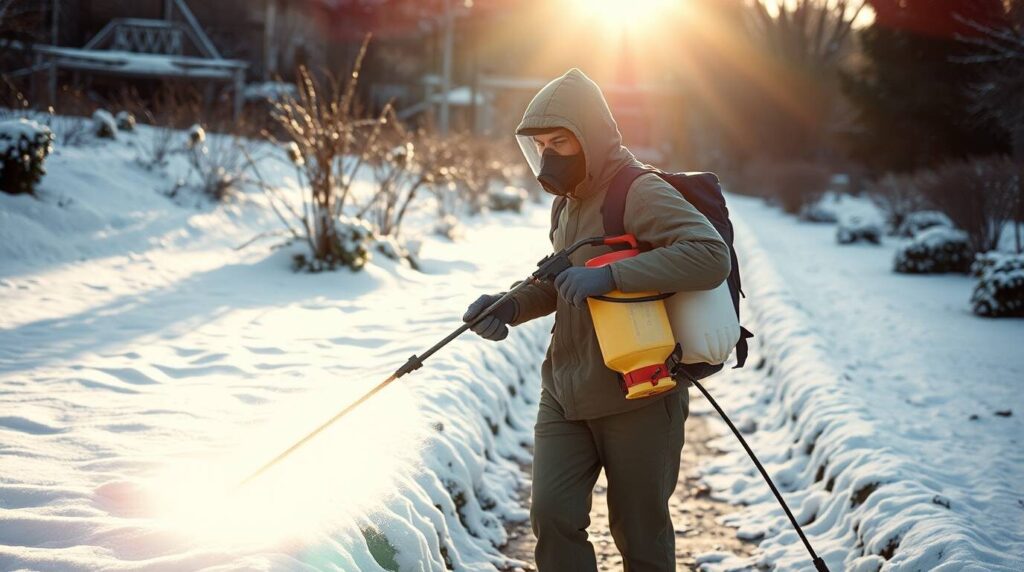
639, 451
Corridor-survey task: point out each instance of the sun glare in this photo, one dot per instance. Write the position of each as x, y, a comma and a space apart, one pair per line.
624, 15
342, 472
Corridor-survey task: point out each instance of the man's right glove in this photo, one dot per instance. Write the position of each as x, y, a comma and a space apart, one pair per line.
495, 325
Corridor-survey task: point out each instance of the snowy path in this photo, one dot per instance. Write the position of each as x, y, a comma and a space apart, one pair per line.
146, 367
696, 516
891, 414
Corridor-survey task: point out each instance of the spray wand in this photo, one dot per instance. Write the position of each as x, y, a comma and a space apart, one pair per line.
547, 269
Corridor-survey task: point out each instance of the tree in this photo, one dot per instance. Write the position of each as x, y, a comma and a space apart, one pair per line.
999, 46
802, 43
910, 96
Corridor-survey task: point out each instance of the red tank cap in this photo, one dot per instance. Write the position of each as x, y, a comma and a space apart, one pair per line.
610, 257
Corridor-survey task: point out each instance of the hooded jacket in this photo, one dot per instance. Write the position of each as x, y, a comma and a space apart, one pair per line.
687, 253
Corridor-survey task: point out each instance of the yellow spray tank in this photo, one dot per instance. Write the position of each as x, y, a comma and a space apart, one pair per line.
633, 330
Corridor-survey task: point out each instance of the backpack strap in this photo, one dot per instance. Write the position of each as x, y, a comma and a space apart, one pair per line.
613, 210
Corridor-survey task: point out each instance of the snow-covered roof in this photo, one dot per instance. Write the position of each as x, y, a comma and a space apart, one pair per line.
459, 96
131, 63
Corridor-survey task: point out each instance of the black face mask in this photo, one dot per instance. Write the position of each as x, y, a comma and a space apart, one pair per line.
559, 174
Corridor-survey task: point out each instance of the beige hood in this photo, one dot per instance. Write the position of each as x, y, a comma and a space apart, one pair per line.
575, 102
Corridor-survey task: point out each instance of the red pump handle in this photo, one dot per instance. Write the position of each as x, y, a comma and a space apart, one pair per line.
621, 239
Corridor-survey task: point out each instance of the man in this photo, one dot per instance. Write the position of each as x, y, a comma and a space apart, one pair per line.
584, 422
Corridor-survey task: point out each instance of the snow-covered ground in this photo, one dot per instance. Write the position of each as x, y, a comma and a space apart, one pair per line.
890, 415
146, 366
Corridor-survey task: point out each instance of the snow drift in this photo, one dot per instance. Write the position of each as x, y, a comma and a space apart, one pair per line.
876, 483
146, 367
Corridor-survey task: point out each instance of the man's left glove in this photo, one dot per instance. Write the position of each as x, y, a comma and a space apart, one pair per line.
495, 326
578, 283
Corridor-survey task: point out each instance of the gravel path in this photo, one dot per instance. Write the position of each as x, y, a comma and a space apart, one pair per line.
695, 513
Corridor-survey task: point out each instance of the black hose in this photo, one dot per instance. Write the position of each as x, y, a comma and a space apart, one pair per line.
819, 564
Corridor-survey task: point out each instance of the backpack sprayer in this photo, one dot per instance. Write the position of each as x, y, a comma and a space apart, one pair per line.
635, 333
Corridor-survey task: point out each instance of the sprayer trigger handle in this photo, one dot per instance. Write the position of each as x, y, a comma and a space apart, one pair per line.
621, 239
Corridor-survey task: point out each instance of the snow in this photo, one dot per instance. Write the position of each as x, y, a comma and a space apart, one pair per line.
921, 220
125, 120
936, 249
25, 139
147, 366
104, 124
507, 198
269, 91
196, 135
936, 236
459, 96
143, 64
859, 228
889, 414
1000, 289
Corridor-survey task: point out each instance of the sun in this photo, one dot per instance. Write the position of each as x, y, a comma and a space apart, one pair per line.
625, 15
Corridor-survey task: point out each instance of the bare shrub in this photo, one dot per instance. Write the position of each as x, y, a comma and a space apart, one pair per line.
477, 167
794, 185
71, 122
327, 142
897, 196
218, 162
978, 195
438, 160
171, 109
399, 173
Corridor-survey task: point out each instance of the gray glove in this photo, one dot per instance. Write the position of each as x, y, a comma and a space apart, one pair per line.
578, 283
495, 326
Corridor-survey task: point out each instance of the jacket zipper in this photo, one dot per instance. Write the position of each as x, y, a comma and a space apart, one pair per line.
574, 212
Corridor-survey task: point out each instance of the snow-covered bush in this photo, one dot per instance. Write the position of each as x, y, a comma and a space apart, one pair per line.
24, 146
104, 125
347, 245
985, 260
1000, 288
935, 250
399, 251
125, 121
507, 198
818, 211
917, 221
897, 196
448, 226
857, 228
196, 136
